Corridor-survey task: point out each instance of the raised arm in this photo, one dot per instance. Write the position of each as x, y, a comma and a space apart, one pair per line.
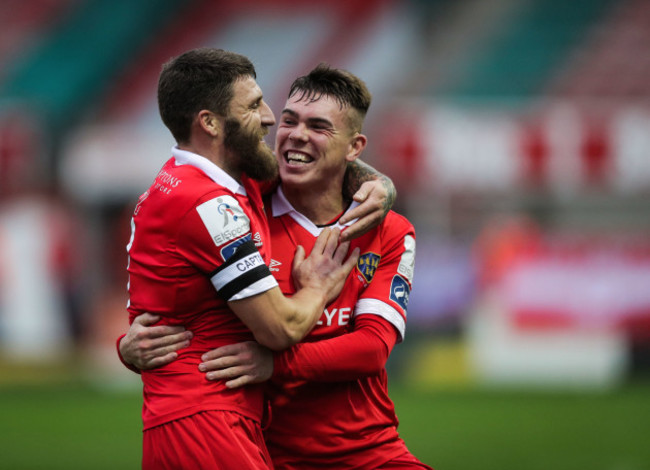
278, 322
375, 194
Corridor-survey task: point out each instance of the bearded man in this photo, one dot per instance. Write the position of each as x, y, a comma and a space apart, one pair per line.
198, 257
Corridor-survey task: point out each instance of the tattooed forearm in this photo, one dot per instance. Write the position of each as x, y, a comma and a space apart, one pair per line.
358, 173
390, 193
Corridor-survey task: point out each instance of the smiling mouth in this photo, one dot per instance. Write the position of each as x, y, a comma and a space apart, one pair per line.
297, 158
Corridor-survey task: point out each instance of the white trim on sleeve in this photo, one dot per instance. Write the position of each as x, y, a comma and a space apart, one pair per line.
382, 309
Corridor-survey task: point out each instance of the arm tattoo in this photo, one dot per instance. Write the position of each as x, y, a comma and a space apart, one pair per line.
390, 189
358, 173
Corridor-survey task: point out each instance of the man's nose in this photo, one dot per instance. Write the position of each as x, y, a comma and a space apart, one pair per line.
299, 132
268, 119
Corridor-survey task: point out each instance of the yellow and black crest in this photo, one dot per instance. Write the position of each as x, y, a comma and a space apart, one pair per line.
367, 265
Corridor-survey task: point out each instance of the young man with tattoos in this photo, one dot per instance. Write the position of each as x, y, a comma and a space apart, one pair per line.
329, 405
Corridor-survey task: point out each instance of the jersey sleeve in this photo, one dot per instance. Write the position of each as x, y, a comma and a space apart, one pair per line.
216, 237
387, 295
362, 352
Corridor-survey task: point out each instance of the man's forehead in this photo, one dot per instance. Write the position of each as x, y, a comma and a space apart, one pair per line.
247, 87
322, 106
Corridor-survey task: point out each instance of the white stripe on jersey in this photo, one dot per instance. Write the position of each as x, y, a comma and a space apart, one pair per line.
385, 311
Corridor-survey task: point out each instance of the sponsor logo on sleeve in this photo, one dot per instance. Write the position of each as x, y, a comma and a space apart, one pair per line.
407, 261
224, 219
367, 265
229, 250
399, 291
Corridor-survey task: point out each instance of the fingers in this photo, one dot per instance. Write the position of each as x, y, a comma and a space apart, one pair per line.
151, 356
358, 212
368, 215
161, 360
238, 377
228, 367
361, 194
360, 227
341, 252
165, 334
321, 241
226, 356
240, 364
328, 245
332, 244
223, 351
352, 260
299, 257
149, 332
240, 381
224, 373
146, 319
172, 342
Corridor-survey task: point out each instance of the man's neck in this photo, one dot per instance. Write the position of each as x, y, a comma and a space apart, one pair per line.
216, 155
321, 207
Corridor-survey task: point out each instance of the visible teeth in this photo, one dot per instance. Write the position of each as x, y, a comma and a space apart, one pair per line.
298, 157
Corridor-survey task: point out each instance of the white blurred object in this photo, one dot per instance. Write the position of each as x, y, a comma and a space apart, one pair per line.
106, 163
32, 315
502, 354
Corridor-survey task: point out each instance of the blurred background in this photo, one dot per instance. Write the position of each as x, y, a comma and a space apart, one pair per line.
517, 133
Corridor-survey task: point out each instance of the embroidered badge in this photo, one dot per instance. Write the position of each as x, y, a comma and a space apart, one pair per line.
229, 250
399, 291
367, 265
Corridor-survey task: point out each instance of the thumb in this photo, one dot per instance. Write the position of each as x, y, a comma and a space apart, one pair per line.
299, 257
146, 319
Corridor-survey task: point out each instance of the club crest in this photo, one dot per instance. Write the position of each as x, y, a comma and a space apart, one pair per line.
367, 265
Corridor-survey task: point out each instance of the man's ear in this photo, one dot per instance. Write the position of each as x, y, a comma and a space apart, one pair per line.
209, 122
357, 144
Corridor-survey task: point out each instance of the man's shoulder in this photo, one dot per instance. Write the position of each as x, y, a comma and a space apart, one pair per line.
396, 223
186, 185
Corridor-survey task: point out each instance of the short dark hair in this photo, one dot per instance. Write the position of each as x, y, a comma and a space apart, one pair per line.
198, 79
346, 88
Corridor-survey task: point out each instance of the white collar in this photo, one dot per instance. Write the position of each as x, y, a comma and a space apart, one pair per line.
281, 206
216, 174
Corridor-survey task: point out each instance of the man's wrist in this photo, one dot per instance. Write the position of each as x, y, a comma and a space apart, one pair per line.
129, 366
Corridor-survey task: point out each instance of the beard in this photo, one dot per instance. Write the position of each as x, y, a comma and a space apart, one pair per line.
253, 157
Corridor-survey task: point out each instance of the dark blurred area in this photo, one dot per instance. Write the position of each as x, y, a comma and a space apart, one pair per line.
516, 131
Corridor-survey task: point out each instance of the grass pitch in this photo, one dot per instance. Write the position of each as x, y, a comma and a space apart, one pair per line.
74, 425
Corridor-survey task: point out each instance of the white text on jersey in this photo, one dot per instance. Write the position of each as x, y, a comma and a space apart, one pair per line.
340, 316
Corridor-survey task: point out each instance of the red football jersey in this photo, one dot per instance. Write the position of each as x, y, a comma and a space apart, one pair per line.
336, 423
198, 239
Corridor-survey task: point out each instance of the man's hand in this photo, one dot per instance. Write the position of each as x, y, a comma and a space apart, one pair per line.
240, 364
147, 347
375, 199
324, 269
